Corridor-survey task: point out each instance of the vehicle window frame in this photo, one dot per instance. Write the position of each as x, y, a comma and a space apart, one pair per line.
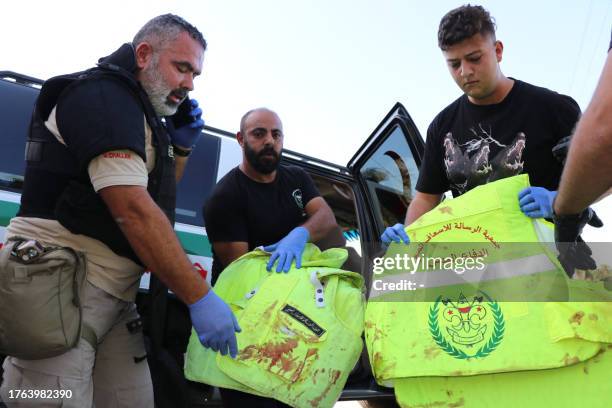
397, 117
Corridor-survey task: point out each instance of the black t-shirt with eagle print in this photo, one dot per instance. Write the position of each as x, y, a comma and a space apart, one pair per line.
468, 145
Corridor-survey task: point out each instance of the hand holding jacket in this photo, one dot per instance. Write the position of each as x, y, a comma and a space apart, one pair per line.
396, 234
215, 324
536, 202
287, 249
574, 253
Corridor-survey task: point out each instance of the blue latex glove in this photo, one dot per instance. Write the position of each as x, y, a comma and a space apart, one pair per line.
536, 202
215, 324
188, 135
396, 234
288, 249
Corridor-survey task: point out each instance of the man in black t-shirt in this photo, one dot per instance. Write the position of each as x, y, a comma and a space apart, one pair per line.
261, 202
499, 127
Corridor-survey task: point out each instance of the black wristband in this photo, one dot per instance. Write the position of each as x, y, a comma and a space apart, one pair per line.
179, 151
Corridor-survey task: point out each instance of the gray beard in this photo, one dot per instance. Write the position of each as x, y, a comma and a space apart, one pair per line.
157, 90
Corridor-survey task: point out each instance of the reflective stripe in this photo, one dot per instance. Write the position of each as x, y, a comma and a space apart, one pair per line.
439, 278
544, 233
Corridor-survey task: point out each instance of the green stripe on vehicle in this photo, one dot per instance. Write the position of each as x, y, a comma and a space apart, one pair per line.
195, 244
193, 239
7, 211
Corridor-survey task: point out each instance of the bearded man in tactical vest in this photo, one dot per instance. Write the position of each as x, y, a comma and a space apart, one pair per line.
99, 189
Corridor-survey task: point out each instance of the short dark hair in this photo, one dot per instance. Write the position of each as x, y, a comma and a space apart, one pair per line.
464, 22
165, 28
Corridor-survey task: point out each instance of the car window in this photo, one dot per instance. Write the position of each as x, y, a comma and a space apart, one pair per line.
14, 123
341, 199
390, 175
198, 181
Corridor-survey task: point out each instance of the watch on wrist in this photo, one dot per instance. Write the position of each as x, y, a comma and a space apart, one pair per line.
179, 151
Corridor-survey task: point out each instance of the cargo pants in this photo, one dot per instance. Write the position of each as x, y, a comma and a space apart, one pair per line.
115, 374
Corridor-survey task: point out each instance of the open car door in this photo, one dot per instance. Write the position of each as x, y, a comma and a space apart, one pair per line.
386, 169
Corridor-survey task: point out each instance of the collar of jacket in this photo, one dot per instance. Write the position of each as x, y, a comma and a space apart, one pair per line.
123, 62
123, 59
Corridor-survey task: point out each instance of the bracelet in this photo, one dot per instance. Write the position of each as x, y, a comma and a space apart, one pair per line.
179, 151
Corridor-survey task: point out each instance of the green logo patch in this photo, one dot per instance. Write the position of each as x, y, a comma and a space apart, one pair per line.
466, 327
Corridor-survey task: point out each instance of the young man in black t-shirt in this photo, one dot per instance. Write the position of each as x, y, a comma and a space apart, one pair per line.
499, 127
261, 202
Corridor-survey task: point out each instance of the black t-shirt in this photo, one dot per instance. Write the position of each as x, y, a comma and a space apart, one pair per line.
468, 145
241, 209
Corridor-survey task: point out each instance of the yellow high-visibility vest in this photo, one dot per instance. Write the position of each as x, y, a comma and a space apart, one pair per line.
301, 331
583, 384
515, 314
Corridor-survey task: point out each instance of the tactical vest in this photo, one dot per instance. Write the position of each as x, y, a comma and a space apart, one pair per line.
516, 314
56, 187
301, 331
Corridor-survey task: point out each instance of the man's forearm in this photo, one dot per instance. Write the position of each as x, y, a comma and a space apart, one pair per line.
180, 162
420, 205
320, 223
151, 236
588, 169
162, 253
586, 177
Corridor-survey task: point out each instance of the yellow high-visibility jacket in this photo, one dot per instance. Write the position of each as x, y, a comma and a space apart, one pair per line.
301, 331
515, 314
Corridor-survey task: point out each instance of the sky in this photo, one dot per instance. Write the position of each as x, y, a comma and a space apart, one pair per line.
331, 69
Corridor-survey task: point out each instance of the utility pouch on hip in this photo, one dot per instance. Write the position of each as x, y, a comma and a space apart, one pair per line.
40, 299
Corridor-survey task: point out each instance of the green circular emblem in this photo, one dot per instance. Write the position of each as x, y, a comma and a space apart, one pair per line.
470, 324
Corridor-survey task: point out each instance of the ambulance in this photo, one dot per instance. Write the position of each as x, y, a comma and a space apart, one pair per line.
367, 194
